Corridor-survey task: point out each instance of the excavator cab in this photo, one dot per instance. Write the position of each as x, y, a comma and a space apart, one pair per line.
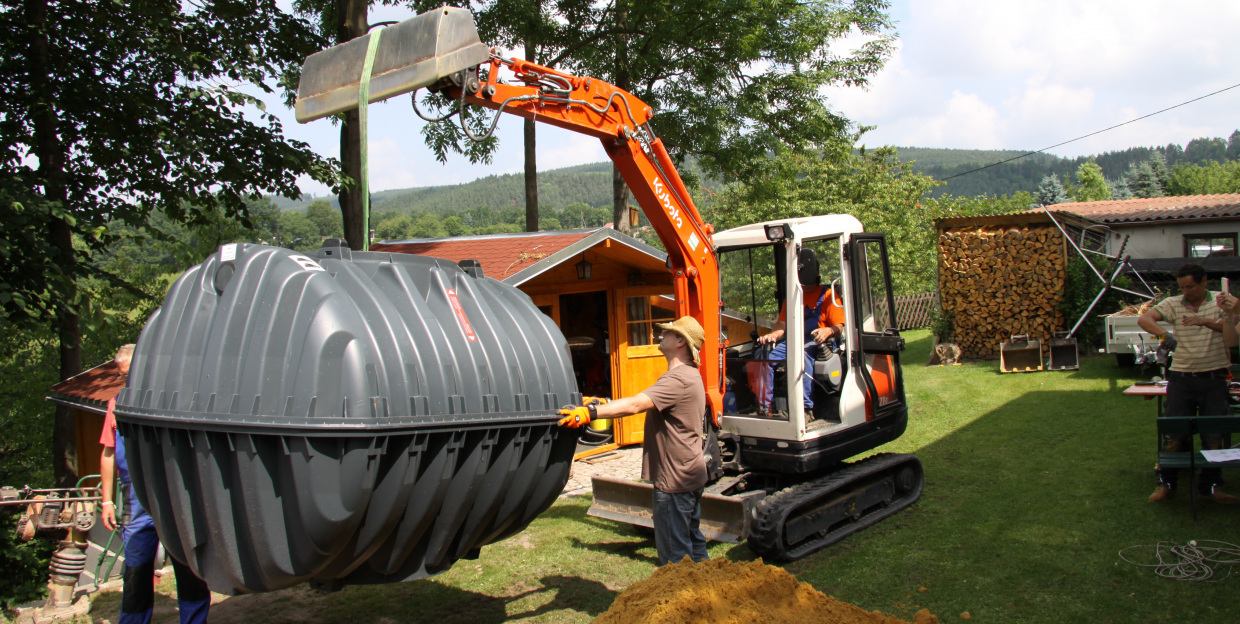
805, 403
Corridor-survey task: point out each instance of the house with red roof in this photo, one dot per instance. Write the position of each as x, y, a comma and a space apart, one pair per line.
1164, 232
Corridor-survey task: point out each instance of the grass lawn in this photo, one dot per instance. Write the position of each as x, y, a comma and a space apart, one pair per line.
1034, 482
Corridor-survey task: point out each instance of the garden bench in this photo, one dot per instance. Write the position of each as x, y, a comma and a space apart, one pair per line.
1191, 458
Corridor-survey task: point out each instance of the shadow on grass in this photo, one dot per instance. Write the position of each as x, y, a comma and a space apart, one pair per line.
628, 550
1024, 512
425, 600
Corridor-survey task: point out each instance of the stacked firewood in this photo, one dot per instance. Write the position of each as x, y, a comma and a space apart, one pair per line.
996, 282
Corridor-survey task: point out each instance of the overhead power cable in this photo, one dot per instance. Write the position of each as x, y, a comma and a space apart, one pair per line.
1091, 133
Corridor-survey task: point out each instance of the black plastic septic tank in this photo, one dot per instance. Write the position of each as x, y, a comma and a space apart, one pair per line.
342, 417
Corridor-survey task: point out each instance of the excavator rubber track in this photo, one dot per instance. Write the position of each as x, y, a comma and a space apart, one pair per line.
801, 519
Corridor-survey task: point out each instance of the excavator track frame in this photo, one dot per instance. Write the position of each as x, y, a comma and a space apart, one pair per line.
804, 518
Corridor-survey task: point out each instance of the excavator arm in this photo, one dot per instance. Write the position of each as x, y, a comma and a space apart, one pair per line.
621, 121
440, 50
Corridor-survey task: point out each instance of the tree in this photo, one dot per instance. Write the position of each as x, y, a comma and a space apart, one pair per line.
396, 227
427, 225
1142, 181
113, 111
1204, 179
454, 226
325, 218
1120, 189
1233, 146
296, 231
1051, 192
1092, 184
732, 81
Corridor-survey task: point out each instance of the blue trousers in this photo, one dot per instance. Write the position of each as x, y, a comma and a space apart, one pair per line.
780, 353
677, 532
138, 595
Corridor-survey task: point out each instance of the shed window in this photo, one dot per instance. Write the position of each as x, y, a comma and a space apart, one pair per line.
642, 317
1204, 245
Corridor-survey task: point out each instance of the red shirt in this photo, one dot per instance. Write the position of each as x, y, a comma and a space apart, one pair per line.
832, 312
108, 437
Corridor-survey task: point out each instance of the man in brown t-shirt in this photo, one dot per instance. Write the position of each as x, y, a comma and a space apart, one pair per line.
673, 453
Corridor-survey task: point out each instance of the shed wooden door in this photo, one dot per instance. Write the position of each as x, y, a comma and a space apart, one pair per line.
637, 358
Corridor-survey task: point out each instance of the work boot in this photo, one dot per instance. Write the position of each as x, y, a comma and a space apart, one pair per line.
1162, 493
1223, 498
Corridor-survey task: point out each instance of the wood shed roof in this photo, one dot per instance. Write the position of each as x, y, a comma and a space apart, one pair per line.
518, 258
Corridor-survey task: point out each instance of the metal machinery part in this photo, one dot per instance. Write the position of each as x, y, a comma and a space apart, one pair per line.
63, 514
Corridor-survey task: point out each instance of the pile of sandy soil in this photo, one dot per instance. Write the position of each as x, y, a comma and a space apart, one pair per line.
725, 592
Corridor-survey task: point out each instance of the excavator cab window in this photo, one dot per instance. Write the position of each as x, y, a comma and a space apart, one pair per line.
749, 282
754, 287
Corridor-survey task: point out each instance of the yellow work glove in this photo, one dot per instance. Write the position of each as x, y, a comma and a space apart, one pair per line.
589, 400
577, 416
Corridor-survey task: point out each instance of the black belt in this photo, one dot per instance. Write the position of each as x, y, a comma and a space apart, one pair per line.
1218, 373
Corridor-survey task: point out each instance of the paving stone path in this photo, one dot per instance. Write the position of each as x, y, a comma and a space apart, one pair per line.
624, 463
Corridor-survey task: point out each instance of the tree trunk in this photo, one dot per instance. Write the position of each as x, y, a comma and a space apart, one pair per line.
531, 160
51, 154
352, 24
622, 78
620, 201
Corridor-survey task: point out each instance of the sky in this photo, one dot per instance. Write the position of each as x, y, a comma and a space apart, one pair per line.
969, 74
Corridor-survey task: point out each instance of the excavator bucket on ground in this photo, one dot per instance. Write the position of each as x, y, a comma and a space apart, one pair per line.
415, 53
1021, 355
1063, 352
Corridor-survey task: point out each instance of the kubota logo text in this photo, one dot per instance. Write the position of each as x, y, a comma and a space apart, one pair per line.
661, 193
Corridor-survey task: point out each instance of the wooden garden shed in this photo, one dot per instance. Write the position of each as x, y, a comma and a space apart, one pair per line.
87, 395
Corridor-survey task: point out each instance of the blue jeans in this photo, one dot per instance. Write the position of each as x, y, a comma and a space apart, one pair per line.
765, 389
677, 532
138, 594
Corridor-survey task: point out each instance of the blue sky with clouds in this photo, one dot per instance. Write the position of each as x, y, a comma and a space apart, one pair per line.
982, 74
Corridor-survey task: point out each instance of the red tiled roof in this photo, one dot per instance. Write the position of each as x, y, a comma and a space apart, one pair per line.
100, 383
1155, 209
501, 255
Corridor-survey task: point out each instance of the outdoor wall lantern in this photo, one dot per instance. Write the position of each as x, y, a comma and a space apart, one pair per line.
585, 270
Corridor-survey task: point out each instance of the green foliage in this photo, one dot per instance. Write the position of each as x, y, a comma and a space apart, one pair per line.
1051, 192
1091, 185
1209, 178
942, 324
326, 218
729, 81
1080, 288
116, 110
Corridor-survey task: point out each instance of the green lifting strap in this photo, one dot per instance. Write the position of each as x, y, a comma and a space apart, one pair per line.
363, 104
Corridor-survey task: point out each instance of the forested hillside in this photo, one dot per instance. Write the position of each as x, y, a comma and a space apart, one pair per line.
1026, 173
591, 183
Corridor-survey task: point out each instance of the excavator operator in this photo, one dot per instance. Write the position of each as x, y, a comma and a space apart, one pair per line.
824, 319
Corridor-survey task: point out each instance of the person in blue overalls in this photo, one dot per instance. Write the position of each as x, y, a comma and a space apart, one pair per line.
824, 319
138, 531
